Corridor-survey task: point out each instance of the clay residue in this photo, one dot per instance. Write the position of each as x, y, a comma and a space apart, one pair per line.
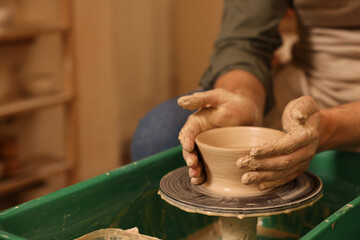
211, 232
214, 232
234, 228
274, 233
115, 233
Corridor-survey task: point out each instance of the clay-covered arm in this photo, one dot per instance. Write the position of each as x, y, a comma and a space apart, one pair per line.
339, 128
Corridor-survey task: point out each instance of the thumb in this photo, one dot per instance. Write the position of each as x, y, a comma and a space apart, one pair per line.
197, 100
303, 109
298, 111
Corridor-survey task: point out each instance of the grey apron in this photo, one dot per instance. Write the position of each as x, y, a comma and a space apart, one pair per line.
326, 59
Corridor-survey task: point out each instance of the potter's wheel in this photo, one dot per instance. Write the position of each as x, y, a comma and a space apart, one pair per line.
176, 189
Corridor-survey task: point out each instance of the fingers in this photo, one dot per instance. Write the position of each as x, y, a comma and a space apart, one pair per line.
277, 163
286, 144
284, 159
205, 99
197, 174
268, 176
191, 158
198, 180
275, 171
188, 133
195, 167
193, 126
277, 183
195, 123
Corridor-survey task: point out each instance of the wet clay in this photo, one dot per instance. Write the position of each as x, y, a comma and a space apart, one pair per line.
214, 232
116, 233
220, 149
235, 228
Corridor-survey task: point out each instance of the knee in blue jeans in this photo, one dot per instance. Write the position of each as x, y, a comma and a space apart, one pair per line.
159, 129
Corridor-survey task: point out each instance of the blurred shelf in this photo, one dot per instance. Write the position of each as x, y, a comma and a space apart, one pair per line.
41, 170
28, 32
33, 103
34, 172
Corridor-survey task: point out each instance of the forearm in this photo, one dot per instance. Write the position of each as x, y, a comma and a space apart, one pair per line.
245, 84
339, 127
246, 41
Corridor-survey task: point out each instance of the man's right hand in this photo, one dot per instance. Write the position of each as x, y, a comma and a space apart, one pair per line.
216, 108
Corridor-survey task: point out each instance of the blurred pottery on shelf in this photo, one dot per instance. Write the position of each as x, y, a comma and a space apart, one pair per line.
5, 84
37, 84
9, 154
7, 12
1, 169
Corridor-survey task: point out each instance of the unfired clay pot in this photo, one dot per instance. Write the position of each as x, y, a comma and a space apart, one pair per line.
220, 148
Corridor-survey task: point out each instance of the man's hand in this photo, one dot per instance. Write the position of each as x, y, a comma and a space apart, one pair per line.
284, 159
216, 108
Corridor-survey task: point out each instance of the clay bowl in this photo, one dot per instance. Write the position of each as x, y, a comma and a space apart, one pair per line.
220, 148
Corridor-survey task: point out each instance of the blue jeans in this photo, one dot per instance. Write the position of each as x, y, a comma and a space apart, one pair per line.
158, 130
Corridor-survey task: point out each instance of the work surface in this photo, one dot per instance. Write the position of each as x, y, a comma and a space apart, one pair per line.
127, 197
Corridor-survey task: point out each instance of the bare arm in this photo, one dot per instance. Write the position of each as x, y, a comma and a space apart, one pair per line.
339, 127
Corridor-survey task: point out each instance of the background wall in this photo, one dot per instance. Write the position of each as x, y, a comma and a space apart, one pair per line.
97, 87
161, 49
142, 57
130, 55
195, 27
123, 70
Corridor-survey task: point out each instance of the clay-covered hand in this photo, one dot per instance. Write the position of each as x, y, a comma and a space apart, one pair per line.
278, 162
216, 108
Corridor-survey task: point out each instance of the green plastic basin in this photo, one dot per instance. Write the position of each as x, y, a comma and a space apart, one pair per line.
127, 197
